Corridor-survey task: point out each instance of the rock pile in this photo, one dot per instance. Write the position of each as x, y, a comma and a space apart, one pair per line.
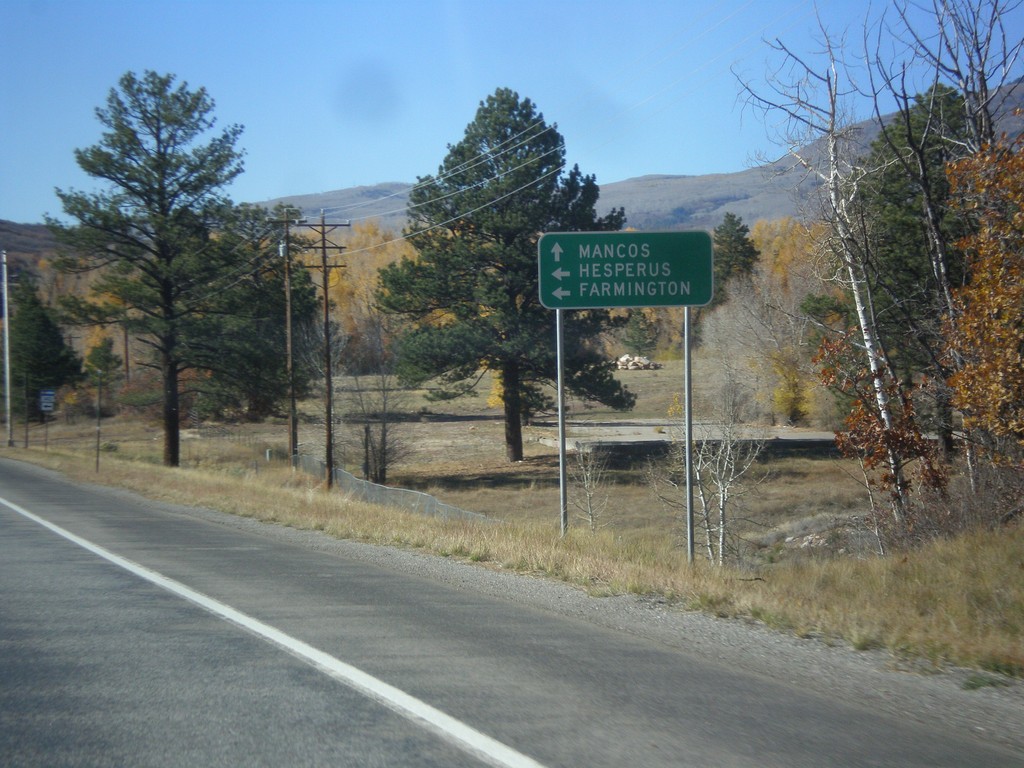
636, 363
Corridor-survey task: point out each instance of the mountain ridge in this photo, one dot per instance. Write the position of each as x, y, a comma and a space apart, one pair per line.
651, 201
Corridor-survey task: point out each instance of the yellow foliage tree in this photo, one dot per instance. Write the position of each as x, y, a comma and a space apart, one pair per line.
987, 331
761, 328
367, 249
787, 248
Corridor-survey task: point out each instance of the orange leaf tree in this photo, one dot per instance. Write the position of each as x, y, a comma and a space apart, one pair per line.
988, 333
875, 442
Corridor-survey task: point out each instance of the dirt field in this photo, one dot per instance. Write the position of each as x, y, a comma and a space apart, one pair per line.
456, 452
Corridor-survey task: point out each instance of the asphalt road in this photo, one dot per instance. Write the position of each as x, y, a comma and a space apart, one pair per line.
134, 633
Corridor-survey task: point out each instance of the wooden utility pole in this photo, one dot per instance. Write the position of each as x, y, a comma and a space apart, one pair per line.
323, 229
284, 251
7, 355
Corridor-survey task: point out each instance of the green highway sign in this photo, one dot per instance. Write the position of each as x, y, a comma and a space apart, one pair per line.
591, 270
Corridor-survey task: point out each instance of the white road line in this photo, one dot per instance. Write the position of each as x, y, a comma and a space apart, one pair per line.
448, 728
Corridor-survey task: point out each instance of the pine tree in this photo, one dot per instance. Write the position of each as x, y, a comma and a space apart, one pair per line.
735, 254
102, 361
471, 293
242, 351
150, 234
641, 333
914, 263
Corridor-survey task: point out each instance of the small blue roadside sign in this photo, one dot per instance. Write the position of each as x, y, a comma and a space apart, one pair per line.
47, 398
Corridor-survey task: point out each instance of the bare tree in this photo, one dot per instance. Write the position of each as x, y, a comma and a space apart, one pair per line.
375, 397
722, 462
587, 492
946, 67
720, 465
971, 48
762, 331
813, 97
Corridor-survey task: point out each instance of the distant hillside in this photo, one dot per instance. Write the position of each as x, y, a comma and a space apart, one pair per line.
655, 202
651, 202
385, 202
26, 243
701, 202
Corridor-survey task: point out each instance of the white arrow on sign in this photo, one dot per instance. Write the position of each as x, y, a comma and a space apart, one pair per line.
558, 274
561, 293
556, 249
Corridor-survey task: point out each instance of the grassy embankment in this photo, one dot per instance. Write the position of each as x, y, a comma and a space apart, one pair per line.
958, 602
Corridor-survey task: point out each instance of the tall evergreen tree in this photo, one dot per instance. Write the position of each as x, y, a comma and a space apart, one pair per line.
40, 356
735, 254
908, 184
471, 294
641, 333
914, 264
102, 369
101, 362
149, 233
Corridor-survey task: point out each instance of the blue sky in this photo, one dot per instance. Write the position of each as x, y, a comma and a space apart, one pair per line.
341, 93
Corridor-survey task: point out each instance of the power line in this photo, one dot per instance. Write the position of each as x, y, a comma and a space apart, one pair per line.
457, 217
479, 159
460, 190
243, 270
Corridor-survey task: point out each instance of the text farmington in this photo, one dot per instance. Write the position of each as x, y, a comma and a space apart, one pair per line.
652, 288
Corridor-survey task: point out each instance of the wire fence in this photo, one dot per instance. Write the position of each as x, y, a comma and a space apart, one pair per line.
225, 440
372, 493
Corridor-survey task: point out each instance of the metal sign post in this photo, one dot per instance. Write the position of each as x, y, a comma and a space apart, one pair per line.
47, 398
563, 486
606, 270
688, 432
99, 414
7, 356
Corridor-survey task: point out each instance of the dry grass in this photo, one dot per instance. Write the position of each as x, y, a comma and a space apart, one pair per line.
959, 601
